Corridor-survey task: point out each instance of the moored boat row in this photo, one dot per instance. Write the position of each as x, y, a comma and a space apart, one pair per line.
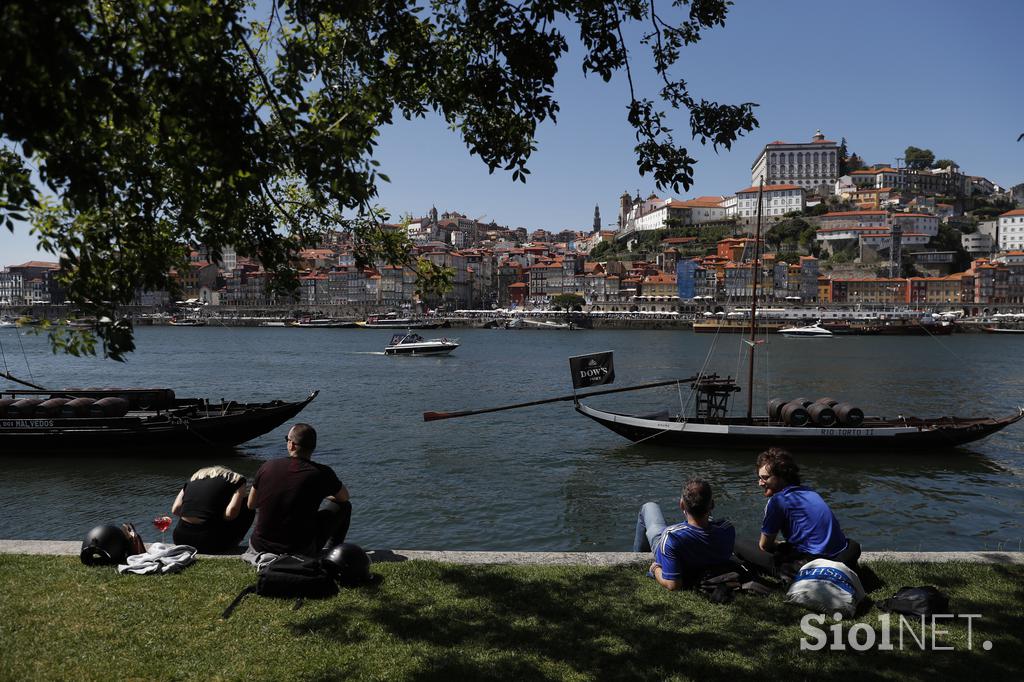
131, 421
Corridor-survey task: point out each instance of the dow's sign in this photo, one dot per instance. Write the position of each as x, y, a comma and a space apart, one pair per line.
592, 370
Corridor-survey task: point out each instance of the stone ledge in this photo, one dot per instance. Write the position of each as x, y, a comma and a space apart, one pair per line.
72, 548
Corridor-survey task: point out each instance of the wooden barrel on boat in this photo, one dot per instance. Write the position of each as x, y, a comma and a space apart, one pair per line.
109, 407
51, 407
79, 407
775, 406
155, 399
848, 415
803, 401
4, 404
822, 414
795, 414
24, 408
831, 402
138, 398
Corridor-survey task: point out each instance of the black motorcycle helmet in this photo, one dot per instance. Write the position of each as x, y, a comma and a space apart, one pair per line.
348, 564
104, 546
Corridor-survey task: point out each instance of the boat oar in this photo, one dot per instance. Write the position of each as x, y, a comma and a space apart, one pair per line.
15, 379
434, 416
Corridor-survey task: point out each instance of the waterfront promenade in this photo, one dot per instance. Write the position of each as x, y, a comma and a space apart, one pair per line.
72, 548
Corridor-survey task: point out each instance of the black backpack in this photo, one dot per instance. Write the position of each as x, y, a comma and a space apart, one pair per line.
290, 577
916, 601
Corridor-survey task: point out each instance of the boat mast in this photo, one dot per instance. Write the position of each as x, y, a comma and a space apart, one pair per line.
15, 379
754, 275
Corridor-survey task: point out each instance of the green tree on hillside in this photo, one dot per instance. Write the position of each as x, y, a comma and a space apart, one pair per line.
945, 163
600, 250
918, 159
789, 233
950, 239
157, 126
568, 302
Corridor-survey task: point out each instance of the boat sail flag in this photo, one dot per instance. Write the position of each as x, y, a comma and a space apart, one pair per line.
592, 370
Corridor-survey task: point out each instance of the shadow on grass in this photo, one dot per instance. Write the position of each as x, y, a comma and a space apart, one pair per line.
474, 622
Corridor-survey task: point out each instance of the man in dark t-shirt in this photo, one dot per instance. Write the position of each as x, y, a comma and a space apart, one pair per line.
303, 507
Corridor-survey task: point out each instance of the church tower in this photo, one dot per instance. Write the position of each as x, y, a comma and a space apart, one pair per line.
625, 204
597, 218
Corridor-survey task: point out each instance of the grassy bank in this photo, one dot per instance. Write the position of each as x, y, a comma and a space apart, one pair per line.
61, 620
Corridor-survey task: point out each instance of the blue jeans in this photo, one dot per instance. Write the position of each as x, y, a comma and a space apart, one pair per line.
650, 523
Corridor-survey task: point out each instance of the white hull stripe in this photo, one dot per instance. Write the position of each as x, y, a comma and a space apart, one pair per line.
744, 430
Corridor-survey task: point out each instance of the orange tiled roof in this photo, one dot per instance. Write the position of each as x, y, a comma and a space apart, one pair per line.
873, 171
38, 264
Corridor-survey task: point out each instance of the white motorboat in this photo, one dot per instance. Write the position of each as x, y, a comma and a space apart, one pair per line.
811, 331
414, 344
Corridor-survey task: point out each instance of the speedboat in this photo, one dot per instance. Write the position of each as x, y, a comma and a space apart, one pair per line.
414, 344
811, 331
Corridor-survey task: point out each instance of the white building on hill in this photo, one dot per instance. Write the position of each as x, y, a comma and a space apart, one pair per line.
1011, 230
811, 165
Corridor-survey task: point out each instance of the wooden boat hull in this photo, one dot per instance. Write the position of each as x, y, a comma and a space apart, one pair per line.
1002, 330
908, 434
402, 324
325, 325
735, 328
193, 425
910, 329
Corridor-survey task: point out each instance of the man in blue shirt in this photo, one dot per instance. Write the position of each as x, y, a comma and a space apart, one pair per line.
801, 515
682, 552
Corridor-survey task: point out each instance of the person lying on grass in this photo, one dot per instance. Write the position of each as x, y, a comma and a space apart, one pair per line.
684, 551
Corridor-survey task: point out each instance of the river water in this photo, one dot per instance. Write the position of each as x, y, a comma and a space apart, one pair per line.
540, 478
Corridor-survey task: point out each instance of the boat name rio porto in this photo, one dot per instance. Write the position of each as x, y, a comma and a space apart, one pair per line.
25, 423
847, 432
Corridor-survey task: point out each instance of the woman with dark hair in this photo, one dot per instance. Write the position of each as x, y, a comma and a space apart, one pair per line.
212, 510
801, 515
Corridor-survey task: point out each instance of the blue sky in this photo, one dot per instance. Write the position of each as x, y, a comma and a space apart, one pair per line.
937, 74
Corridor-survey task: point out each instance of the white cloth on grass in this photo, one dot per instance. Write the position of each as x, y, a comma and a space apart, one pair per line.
826, 586
160, 558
